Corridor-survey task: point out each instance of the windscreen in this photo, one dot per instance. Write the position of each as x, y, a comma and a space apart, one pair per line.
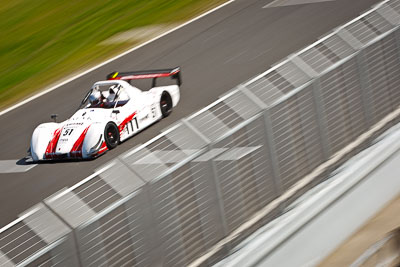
102, 96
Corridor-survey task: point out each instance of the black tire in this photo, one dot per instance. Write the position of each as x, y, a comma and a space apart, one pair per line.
111, 135
165, 104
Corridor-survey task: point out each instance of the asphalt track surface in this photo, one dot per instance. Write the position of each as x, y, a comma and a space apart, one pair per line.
216, 53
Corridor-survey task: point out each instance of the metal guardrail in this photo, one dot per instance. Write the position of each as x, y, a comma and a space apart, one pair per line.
169, 201
37, 238
329, 213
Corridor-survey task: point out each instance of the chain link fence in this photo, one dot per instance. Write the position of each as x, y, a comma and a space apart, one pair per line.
171, 200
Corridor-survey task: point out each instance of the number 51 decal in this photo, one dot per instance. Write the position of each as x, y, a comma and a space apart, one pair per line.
67, 132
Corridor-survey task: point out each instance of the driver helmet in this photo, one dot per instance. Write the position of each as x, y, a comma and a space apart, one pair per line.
95, 97
111, 95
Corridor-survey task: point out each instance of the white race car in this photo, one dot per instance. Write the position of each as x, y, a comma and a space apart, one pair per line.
111, 112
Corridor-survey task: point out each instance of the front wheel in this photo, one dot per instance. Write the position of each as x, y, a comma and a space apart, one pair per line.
111, 135
165, 104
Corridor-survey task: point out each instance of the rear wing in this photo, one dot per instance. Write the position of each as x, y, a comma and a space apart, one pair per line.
174, 73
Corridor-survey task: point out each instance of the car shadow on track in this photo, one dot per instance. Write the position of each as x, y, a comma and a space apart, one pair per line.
28, 161
25, 161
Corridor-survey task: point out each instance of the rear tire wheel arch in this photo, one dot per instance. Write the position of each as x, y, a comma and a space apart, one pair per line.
111, 135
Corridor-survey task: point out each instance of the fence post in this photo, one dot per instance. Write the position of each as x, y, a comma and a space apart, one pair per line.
269, 135
74, 238
365, 88
155, 238
269, 138
397, 38
215, 173
321, 118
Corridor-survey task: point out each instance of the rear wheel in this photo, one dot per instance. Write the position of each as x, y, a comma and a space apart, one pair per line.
111, 135
165, 104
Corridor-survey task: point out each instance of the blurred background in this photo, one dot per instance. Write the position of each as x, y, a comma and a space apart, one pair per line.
44, 41
256, 166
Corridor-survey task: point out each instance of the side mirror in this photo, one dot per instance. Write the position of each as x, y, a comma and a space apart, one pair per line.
116, 111
54, 117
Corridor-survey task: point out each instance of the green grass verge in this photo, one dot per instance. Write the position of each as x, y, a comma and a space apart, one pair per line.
44, 40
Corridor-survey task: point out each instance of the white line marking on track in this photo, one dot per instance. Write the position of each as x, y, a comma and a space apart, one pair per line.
12, 166
110, 60
279, 3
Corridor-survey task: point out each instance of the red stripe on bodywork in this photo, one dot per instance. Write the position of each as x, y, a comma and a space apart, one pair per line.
51, 147
76, 151
128, 119
102, 149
